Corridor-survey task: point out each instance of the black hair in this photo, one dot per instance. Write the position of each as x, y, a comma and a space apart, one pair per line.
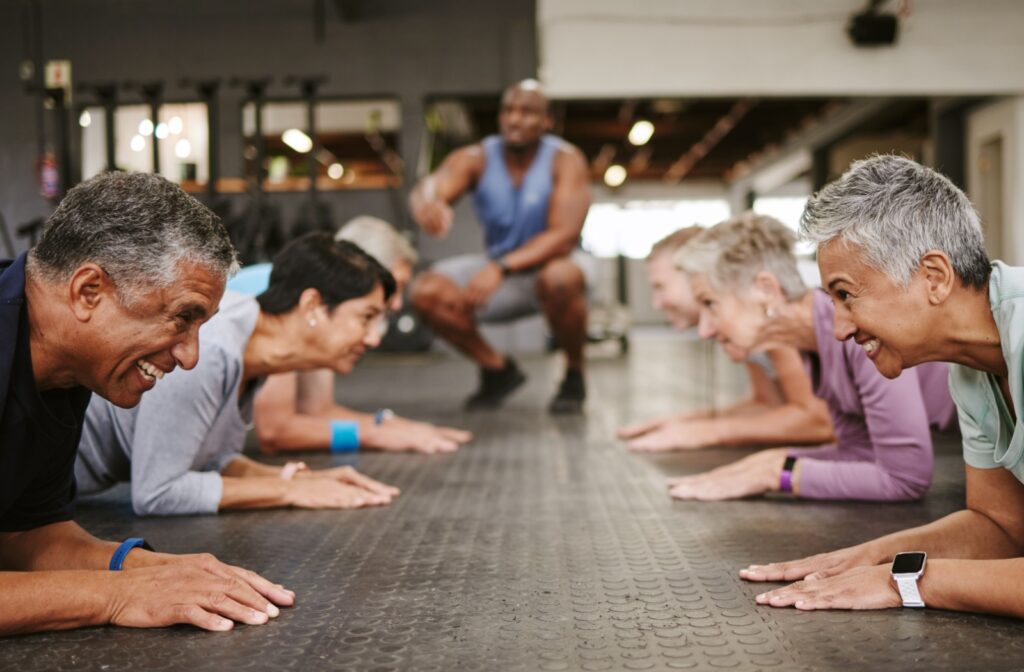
339, 270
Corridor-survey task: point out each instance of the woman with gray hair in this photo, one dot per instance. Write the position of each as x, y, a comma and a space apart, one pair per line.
751, 297
902, 254
295, 411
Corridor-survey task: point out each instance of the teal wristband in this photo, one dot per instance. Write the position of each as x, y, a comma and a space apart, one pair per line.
344, 436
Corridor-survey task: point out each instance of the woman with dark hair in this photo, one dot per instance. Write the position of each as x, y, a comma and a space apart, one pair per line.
181, 447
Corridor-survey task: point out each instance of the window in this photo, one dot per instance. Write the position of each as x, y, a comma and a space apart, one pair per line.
356, 144
631, 228
181, 131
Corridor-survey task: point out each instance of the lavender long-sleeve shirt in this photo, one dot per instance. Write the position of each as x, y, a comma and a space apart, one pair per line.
883, 448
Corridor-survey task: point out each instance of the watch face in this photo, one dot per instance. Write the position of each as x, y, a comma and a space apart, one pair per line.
908, 563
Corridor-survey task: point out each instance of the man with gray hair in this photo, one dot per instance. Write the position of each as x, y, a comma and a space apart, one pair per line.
127, 269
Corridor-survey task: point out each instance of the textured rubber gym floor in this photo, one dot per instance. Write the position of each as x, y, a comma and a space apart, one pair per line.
543, 545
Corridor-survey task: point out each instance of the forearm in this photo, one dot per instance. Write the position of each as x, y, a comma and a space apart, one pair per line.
243, 467
755, 423
314, 432
541, 249
256, 493
60, 546
831, 479
980, 586
54, 600
964, 535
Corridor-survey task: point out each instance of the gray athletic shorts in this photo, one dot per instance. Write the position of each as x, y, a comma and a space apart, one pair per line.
517, 296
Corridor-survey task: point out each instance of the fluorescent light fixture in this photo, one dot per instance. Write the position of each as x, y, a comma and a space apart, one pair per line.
335, 171
182, 148
84, 119
641, 132
615, 175
161, 130
297, 140
138, 143
175, 125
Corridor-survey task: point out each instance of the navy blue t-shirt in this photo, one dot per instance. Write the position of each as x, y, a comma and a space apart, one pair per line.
39, 431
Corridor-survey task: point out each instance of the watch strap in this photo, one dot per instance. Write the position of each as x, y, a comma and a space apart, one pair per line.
907, 585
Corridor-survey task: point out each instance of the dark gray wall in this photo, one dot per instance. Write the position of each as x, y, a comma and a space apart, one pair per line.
408, 49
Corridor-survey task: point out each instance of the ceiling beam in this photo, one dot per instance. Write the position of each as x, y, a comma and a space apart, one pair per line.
774, 168
678, 170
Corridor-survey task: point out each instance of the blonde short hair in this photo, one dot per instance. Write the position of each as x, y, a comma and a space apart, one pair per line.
378, 239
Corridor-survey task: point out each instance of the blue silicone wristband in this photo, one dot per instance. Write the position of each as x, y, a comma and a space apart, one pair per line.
344, 436
117, 560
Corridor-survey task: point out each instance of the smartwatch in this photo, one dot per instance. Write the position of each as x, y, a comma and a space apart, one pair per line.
786, 477
505, 270
907, 568
382, 415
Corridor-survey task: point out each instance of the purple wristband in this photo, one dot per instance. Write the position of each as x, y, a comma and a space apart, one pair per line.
786, 481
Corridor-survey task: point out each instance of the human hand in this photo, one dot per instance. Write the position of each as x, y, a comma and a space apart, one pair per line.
435, 217
350, 476
753, 475
676, 434
163, 589
857, 588
399, 434
323, 490
640, 428
815, 567
483, 284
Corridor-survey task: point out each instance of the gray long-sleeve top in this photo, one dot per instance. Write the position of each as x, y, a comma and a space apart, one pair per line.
174, 444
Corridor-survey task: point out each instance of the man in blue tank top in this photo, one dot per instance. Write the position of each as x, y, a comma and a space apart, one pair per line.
531, 192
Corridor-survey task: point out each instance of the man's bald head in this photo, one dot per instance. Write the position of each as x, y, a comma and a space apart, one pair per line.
525, 116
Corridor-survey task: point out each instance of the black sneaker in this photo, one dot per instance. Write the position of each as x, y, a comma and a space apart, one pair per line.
495, 386
571, 394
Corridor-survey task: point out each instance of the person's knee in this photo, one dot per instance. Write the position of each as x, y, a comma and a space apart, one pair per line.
560, 281
429, 292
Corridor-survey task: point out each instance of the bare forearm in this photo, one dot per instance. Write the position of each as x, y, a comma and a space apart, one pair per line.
60, 546
980, 586
256, 493
310, 432
745, 425
966, 535
59, 600
543, 248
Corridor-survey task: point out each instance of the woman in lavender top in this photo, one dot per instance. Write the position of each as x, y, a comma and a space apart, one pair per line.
743, 272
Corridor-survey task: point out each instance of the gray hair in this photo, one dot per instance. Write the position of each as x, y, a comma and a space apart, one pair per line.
379, 239
896, 210
733, 252
138, 228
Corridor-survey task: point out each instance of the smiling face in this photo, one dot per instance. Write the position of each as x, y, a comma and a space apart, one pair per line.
350, 329
671, 292
734, 319
891, 323
132, 348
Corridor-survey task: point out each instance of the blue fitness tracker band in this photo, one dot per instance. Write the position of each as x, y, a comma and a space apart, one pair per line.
122, 551
344, 436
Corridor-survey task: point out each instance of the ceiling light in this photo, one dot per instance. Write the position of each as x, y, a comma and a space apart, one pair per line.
161, 130
615, 175
335, 171
138, 143
84, 119
175, 125
146, 127
297, 140
182, 148
641, 132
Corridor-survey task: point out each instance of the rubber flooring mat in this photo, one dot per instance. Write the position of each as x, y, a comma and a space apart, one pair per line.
543, 545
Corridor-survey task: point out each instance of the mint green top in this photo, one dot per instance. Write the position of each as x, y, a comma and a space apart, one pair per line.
991, 439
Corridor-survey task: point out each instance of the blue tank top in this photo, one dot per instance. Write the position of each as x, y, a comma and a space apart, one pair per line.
512, 216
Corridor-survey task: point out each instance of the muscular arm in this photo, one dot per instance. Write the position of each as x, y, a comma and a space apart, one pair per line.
454, 177
570, 201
